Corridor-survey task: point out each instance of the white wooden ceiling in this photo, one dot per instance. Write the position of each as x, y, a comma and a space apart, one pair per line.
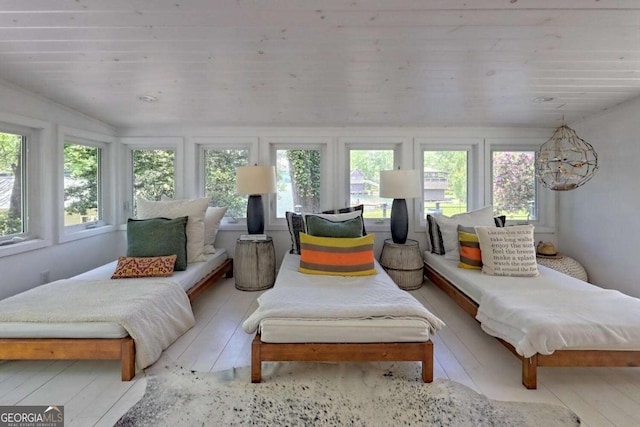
325, 62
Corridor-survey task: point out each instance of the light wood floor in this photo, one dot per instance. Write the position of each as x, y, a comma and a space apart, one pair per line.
92, 393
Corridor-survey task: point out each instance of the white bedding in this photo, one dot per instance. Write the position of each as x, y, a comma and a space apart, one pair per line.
298, 298
153, 311
187, 279
547, 313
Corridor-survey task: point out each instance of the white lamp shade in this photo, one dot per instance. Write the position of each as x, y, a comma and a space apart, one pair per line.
400, 184
256, 179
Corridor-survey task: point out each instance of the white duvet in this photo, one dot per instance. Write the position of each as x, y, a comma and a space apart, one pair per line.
549, 312
303, 296
542, 320
154, 311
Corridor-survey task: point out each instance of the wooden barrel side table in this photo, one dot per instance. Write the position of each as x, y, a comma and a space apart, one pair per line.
404, 263
254, 264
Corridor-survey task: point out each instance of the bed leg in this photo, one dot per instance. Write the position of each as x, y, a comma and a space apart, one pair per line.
128, 359
256, 361
229, 273
427, 363
530, 372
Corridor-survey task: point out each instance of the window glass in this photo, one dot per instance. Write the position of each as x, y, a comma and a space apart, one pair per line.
514, 189
12, 195
445, 181
364, 181
81, 184
220, 179
298, 181
153, 173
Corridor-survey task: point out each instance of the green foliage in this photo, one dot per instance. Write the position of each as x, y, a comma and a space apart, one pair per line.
513, 181
11, 165
220, 182
9, 151
371, 162
454, 162
81, 178
9, 225
153, 173
304, 169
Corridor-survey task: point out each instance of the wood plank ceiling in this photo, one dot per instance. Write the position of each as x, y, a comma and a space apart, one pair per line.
325, 62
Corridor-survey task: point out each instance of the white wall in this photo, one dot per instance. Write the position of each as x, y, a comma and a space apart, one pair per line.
599, 223
22, 271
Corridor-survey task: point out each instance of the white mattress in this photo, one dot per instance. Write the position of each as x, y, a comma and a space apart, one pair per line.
342, 330
187, 278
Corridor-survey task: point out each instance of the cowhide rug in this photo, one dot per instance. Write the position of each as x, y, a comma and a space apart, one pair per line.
326, 394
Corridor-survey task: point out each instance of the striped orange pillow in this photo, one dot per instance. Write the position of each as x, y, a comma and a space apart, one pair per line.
470, 255
337, 256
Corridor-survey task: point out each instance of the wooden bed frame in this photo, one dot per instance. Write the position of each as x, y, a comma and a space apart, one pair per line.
122, 349
340, 352
559, 358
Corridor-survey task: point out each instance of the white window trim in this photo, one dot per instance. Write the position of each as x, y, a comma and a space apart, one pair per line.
150, 143
401, 147
108, 184
39, 234
547, 199
473, 147
223, 143
268, 156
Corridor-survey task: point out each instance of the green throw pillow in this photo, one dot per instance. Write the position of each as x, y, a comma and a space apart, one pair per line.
158, 237
321, 227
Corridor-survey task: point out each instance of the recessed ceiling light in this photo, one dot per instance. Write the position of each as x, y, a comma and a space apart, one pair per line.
543, 99
148, 98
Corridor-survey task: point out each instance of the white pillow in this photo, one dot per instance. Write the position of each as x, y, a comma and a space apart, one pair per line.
449, 228
212, 219
508, 251
193, 208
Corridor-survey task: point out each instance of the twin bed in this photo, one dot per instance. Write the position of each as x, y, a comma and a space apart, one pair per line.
549, 320
73, 329
327, 318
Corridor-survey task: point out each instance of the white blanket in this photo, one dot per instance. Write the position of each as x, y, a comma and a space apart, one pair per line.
542, 320
317, 297
154, 311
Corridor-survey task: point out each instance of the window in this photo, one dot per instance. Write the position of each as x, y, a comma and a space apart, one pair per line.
220, 179
153, 173
13, 167
445, 181
82, 184
364, 180
514, 187
299, 180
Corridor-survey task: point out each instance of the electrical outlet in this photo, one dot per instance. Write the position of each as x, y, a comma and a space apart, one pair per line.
44, 277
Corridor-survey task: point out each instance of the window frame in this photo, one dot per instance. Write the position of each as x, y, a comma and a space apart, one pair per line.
401, 158
324, 145
473, 147
546, 200
106, 183
223, 143
38, 184
151, 143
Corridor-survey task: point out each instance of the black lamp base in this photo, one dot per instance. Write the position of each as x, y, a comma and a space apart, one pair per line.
399, 221
255, 214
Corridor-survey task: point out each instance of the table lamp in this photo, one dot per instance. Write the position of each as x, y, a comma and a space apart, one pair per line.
400, 185
255, 181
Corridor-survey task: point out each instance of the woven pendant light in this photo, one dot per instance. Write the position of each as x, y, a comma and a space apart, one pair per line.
565, 161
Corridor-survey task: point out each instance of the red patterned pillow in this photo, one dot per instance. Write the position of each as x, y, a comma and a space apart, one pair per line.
159, 266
